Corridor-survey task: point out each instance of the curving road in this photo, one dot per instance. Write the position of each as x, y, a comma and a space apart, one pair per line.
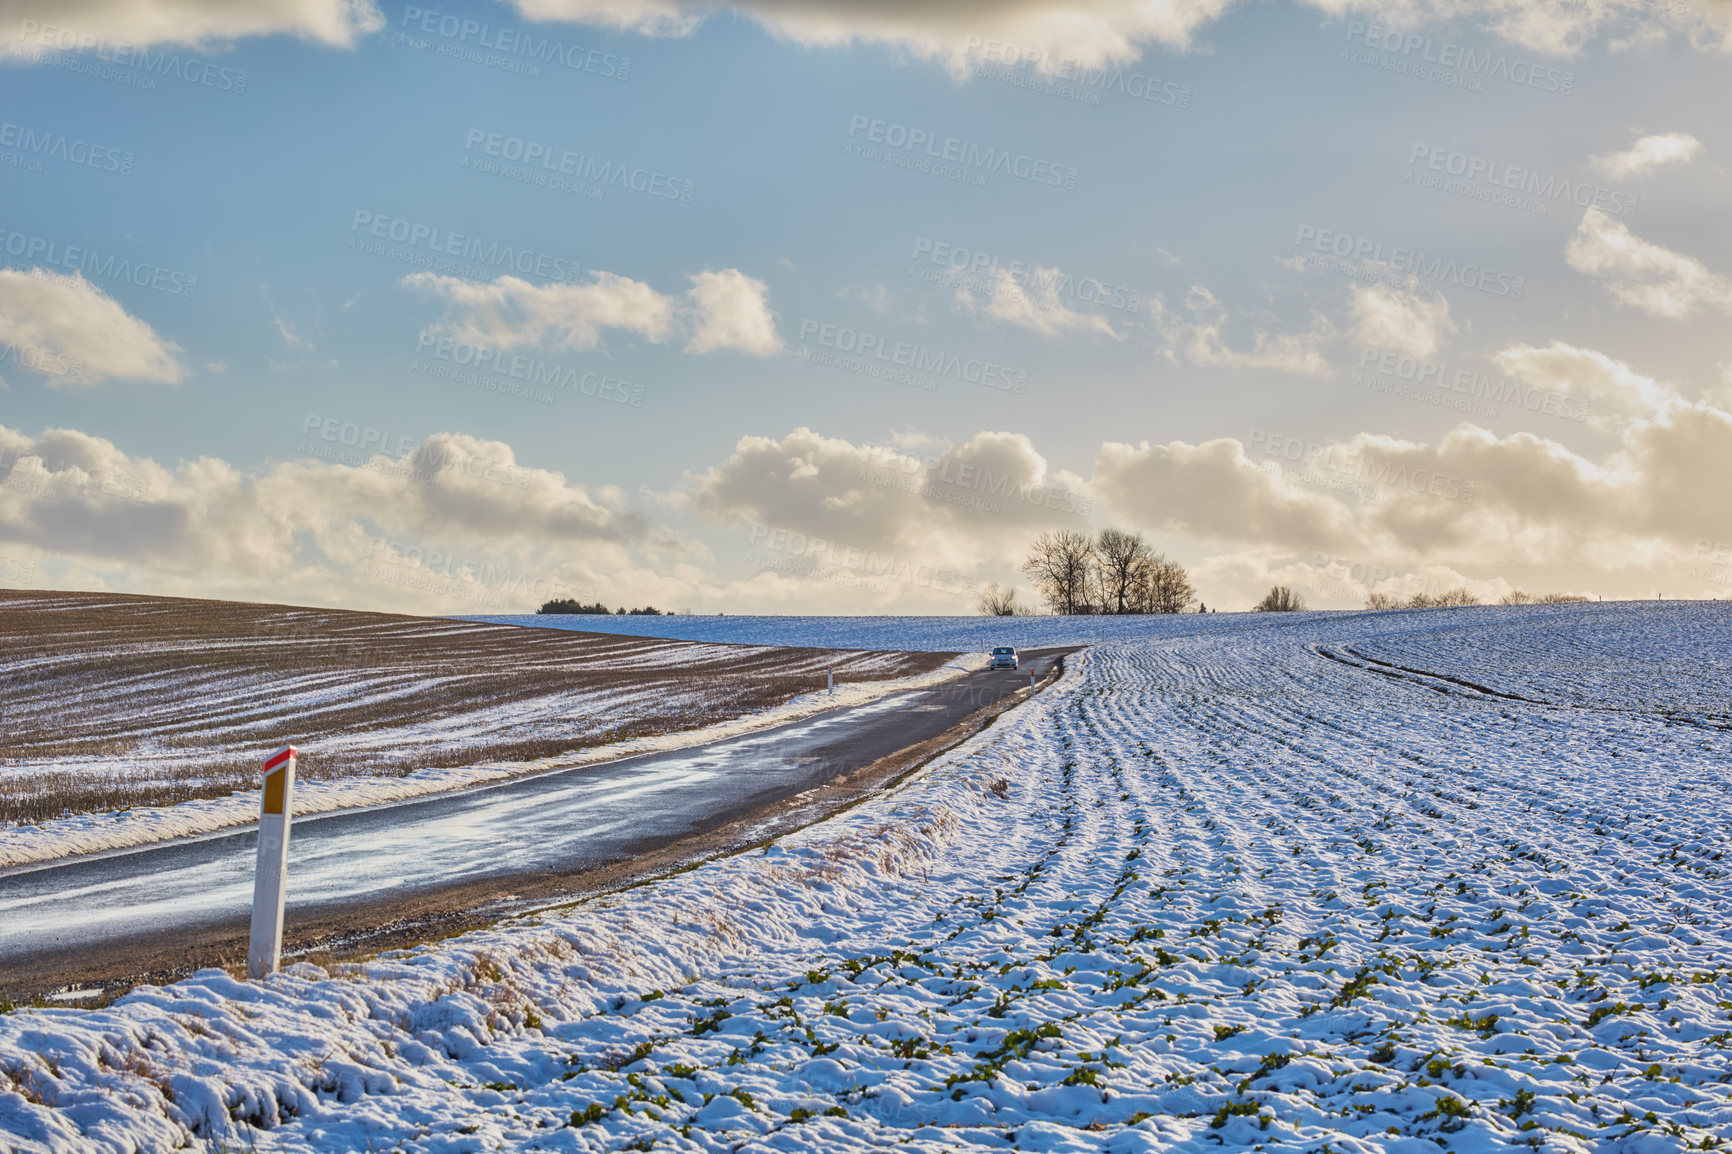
359, 875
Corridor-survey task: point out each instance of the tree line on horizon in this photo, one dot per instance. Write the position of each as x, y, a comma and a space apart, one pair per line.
1280, 598
568, 605
1110, 572
1461, 595
1115, 572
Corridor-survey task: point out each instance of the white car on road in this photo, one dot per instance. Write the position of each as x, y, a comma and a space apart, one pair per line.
1003, 657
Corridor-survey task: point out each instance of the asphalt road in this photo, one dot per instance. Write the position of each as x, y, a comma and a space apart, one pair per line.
166, 909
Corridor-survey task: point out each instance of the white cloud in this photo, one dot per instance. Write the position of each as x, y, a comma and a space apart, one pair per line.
724, 310
1239, 579
490, 530
1609, 388
646, 17
1103, 32
1032, 303
1552, 27
1092, 32
954, 506
1658, 281
1048, 32
35, 27
1214, 490
1197, 335
457, 524
875, 296
1649, 153
295, 339
1399, 320
1483, 505
730, 310
914, 527
73, 333
509, 312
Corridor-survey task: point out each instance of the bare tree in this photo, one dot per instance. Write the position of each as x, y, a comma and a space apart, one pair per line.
998, 601
1449, 598
1517, 597
1163, 586
1061, 565
1123, 560
1384, 601
1115, 572
1280, 599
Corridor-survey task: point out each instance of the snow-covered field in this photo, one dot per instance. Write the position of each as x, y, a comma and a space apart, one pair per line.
129, 719
933, 634
1249, 887
122, 829
1643, 656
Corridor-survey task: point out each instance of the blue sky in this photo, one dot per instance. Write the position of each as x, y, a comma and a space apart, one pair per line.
221, 442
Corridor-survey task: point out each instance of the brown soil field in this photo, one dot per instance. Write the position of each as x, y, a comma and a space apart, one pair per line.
109, 701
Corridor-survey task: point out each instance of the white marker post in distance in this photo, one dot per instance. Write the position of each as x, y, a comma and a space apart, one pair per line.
265, 948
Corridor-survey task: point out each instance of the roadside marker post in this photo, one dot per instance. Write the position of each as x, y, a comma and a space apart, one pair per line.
276, 805
830, 675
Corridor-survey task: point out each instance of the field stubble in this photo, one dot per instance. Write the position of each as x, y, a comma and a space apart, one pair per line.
112, 702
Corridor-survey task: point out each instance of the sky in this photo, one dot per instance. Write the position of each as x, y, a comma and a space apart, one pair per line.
787, 307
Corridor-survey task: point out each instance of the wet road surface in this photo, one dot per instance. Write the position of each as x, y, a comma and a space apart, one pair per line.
63, 918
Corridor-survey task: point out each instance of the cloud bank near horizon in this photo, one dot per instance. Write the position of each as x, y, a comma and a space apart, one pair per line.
824, 524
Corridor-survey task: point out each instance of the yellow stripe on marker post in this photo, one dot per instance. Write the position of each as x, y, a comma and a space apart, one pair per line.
276, 804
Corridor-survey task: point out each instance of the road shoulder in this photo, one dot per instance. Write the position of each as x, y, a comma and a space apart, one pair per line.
356, 932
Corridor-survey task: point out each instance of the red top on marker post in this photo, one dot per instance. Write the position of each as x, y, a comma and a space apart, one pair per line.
275, 796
